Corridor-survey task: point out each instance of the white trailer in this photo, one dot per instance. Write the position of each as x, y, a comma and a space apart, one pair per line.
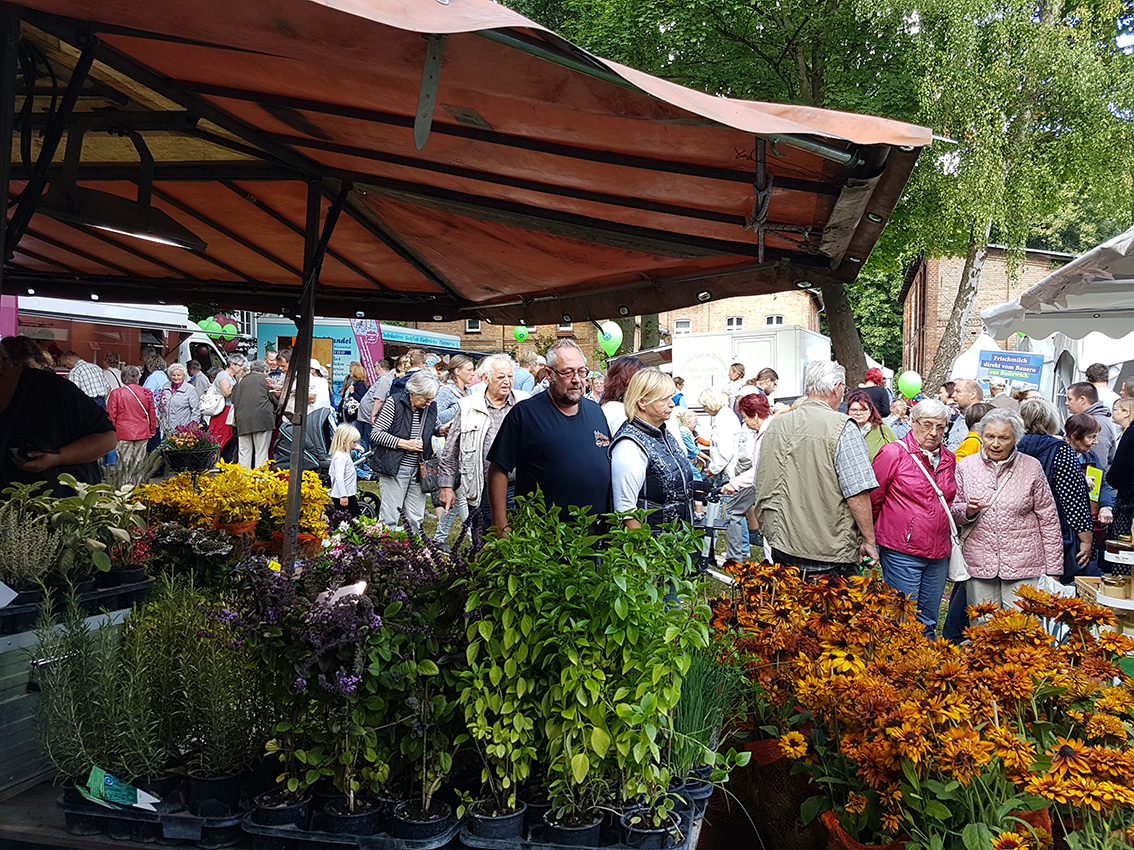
703, 359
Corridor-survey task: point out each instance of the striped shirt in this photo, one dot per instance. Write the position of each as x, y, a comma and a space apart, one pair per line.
382, 436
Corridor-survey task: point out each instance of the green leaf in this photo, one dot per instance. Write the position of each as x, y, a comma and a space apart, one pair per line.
427, 668
911, 774
485, 629
101, 560
813, 807
600, 741
580, 765
937, 810
976, 836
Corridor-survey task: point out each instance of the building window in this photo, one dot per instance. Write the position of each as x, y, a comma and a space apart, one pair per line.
472, 326
773, 320
683, 326
734, 323
565, 327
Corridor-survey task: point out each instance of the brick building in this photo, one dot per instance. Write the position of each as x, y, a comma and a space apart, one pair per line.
746, 313
931, 287
481, 335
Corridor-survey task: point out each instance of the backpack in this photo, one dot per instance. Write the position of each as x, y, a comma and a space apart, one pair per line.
212, 402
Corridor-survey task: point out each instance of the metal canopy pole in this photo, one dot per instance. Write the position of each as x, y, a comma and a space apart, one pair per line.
314, 250
9, 48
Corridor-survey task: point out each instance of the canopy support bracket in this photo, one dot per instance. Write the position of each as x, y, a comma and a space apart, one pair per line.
427, 97
29, 198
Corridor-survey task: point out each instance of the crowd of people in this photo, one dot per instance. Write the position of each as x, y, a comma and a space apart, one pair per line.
839, 477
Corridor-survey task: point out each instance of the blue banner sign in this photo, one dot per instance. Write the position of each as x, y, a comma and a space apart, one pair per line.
1013, 366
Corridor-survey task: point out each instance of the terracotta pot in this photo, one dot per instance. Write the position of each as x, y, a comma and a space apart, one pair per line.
1037, 820
237, 529
838, 839
306, 545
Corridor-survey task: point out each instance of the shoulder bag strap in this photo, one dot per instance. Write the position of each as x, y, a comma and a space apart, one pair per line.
936, 489
134, 395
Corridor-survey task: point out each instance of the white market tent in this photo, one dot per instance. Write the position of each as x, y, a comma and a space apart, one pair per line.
1094, 292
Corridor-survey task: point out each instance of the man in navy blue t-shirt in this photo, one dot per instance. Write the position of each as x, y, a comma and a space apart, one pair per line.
555, 440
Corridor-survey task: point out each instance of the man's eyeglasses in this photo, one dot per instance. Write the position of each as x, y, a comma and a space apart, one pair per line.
581, 372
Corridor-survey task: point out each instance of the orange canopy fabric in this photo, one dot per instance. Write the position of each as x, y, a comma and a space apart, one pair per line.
551, 186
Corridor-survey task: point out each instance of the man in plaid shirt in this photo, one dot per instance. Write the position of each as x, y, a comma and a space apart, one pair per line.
86, 376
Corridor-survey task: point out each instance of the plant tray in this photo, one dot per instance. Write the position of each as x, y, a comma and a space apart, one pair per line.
18, 618
116, 598
171, 822
293, 838
537, 834
15, 619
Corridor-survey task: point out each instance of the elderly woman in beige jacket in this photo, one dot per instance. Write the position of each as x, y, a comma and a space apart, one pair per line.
1006, 513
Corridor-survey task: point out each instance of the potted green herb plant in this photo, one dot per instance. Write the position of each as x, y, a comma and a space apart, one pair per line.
29, 551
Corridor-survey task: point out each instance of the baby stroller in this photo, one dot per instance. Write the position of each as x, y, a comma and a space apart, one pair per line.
317, 442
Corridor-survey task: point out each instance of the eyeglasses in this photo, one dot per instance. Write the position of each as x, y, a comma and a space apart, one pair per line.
581, 372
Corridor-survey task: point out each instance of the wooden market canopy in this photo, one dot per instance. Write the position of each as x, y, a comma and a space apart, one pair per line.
483, 167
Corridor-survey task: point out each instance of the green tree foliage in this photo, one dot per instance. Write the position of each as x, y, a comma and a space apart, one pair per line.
874, 300
1035, 93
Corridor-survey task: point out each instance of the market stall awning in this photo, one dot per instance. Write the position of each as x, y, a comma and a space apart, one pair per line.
1094, 292
493, 169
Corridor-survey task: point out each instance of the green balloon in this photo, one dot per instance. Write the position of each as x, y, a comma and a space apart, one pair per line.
611, 337
230, 331
520, 333
210, 326
909, 383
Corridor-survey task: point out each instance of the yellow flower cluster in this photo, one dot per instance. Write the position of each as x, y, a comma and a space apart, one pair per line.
850, 654
234, 494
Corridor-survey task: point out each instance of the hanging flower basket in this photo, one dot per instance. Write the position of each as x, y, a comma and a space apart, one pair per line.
198, 460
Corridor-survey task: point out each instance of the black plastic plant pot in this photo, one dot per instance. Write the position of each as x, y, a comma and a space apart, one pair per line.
126, 829
81, 823
698, 791
701, 773
586, 835
640, 832
505, 826
160, 786
338, 820
120, 576
409, 823
221, 789
269, 812
533, 815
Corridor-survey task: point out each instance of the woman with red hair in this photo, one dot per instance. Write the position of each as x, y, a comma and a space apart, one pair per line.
877, 433
874, 386
756, 414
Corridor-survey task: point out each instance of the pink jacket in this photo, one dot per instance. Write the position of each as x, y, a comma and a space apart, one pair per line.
1018, 537
908, 516
131, 409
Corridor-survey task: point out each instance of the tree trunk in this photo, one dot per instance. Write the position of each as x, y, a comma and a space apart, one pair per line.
651, 338
628, 341
954, 334
844, 334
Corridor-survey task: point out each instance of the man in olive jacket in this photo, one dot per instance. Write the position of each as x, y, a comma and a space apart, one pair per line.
814, 480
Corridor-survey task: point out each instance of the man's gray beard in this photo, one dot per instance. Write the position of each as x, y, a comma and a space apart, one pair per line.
563, 399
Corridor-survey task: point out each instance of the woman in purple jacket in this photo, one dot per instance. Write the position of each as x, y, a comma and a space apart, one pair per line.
915, 484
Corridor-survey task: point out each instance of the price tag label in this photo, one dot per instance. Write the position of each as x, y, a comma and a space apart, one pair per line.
1123, 557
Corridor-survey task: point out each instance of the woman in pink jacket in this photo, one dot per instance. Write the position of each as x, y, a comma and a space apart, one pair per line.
910, 520
1006, 514
131, 409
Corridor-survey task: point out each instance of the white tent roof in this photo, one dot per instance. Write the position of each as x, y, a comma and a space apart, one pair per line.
968, 361
1094, 292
